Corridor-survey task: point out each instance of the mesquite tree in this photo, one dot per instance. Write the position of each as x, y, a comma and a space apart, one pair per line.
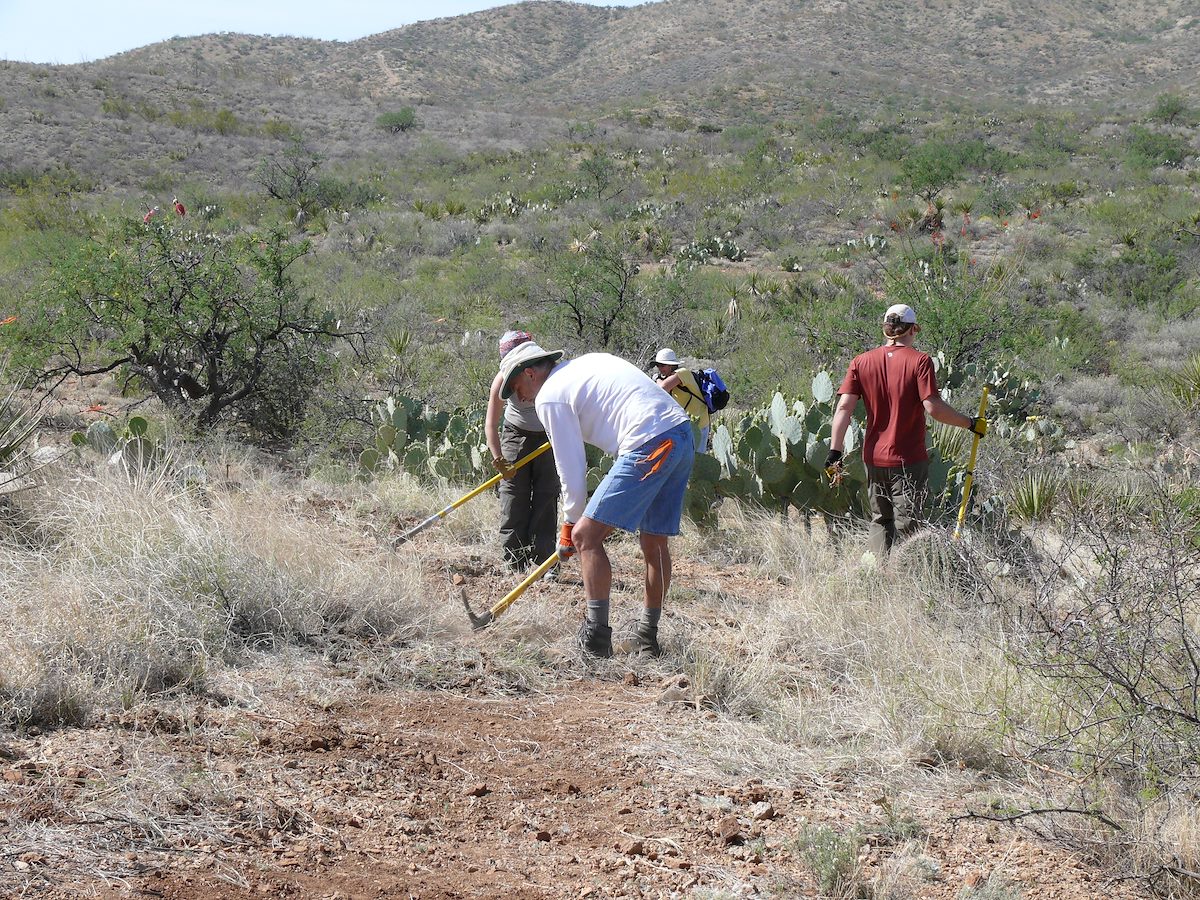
215, 326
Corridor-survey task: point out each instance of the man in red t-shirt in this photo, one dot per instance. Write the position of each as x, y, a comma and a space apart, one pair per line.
897, 385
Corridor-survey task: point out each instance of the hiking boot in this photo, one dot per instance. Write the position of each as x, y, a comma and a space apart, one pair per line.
596, 639
645, 640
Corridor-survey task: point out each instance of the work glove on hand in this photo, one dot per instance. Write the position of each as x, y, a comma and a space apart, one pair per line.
979, 426
833, 466
566, 547
504, 467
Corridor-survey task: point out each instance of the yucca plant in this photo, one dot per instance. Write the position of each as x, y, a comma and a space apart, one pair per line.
1185, 384
17, 425
1035, 494
951, 442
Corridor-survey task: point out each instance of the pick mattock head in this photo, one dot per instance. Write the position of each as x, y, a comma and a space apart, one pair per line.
477, 621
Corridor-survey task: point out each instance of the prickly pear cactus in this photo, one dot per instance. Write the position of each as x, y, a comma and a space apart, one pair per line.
432, 443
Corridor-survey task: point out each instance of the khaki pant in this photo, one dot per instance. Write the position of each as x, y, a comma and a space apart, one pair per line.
528, 500
897, 495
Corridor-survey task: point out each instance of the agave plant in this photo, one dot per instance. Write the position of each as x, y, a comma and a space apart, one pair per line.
1034, 497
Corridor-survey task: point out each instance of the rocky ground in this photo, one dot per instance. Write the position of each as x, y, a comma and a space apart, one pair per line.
308, 781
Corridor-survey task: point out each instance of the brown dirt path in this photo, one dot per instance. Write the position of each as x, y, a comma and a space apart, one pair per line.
566, 794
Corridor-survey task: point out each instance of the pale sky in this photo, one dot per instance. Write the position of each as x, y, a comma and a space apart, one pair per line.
72, 31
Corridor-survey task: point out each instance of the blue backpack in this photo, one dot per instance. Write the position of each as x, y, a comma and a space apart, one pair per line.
712, 389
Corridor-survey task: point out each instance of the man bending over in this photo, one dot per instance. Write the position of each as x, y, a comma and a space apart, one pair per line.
602, 400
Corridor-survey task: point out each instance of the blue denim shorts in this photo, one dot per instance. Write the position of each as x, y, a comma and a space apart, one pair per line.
644, 489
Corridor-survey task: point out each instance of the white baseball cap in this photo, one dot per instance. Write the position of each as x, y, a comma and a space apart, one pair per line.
666, 357
900, 314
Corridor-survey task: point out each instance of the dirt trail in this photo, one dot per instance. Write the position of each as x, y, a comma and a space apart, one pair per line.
561, 795
591, 787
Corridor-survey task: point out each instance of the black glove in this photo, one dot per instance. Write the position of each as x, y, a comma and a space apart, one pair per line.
833, 467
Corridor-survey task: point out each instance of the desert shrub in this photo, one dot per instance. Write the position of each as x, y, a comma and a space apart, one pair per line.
1147, 149
279, 130
1146, 275
1169, 108
594, 293
215, 327
400, 120
199, 117
998, 197
833, 859
341, 194
966, 314
1115, 653
291, 176
934, 165
1052, 141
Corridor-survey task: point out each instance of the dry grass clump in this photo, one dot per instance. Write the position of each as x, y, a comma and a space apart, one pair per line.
842, 658
116, 587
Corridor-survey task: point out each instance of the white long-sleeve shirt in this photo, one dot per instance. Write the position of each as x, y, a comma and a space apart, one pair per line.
602, 400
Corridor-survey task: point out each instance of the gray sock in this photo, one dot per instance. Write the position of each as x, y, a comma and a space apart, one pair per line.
597, 611
650, 616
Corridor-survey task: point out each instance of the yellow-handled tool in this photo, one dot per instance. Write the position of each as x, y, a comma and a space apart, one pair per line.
969, 482
491, 482
481, 621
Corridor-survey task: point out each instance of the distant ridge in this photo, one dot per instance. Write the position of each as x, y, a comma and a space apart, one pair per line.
509, 77
1062, 51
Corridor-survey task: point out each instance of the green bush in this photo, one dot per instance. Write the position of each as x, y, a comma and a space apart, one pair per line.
401, 120
1148, 149
1169, 108
934, 165
216, 327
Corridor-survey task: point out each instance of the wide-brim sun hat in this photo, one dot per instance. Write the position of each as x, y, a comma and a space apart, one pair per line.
900, 314
518, 360
666, 357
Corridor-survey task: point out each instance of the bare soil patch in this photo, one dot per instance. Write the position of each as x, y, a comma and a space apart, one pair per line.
423, 794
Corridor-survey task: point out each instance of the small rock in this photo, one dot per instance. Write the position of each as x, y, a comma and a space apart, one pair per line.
631, 847
631, 679
542, 835
729, 831
475, 790
673, 695
761, 812
456, 578
973, 880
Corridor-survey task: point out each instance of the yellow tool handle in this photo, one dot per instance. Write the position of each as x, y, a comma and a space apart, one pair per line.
471, 495
969, 482
516, 592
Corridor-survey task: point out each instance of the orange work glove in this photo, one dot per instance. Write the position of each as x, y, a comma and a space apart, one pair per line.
566, 547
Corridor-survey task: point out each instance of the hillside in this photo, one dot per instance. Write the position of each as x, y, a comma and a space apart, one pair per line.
1072, 51
508, 77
